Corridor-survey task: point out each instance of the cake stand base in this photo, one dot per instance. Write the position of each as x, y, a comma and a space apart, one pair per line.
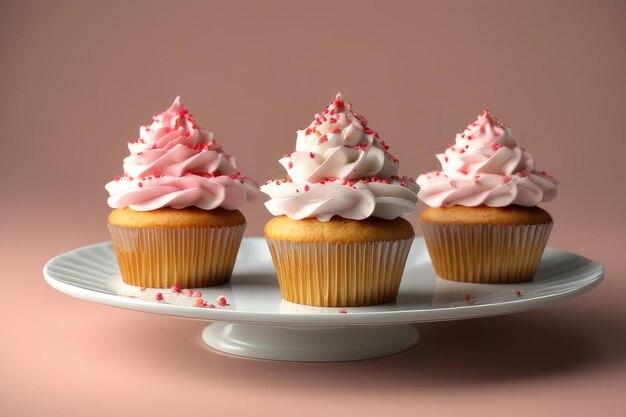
310, 343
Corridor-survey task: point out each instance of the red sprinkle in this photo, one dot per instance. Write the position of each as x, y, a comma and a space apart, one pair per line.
311, 154
306, 187
159, 296
518, 293
322, 139
290, 165
221, 300
343, 311
199, 302
495, 146
175, 288
140, 184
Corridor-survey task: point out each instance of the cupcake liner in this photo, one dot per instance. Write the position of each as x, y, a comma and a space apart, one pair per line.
339, 274
486, 253
190, 257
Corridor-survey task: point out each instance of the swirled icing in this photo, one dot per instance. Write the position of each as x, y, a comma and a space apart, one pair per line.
340, 167
486, 167
175, 163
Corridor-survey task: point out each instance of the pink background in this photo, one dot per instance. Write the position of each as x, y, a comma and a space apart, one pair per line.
78, 78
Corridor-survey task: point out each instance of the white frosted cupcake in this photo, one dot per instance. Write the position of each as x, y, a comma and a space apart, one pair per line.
338, 238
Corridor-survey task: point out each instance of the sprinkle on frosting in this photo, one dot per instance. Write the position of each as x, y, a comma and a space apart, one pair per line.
486, 167
344, 169
175, 163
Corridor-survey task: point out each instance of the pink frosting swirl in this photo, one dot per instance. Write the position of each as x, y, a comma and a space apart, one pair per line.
175, 163
486, 167
340, 168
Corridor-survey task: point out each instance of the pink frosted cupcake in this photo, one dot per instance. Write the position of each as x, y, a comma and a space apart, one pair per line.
176, 217
483, 223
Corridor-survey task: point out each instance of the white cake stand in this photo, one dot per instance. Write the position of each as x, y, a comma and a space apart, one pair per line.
257, 323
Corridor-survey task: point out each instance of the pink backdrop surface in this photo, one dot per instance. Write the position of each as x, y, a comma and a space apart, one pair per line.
77, 79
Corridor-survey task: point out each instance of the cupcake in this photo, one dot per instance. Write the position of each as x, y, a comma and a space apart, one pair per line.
176, 217
483, 224
338, 238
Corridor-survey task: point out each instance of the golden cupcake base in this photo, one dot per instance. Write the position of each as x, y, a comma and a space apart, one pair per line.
190, 257
495, 254
339, 274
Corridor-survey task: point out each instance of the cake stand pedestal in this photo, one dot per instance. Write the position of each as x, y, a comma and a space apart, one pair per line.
310, 343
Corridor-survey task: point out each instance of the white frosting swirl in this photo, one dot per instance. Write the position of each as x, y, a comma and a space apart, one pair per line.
486, 167
340, 168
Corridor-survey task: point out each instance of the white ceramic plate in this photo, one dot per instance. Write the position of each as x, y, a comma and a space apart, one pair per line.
91, 273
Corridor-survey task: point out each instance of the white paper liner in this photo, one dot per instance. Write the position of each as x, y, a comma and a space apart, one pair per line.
191, 257
486, 253
339, 274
